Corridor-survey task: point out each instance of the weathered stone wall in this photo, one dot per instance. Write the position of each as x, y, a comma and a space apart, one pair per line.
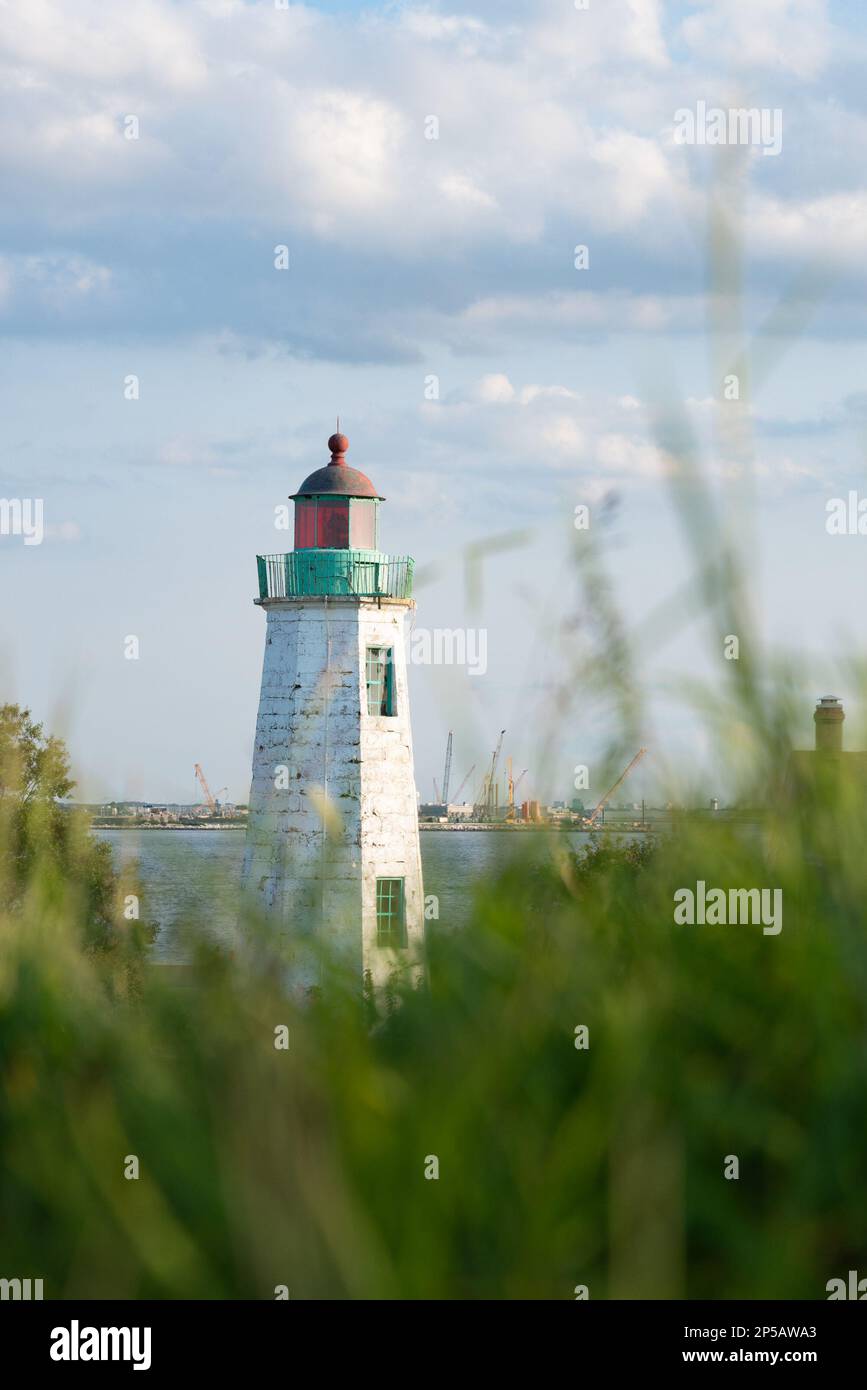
389, 809
320, 760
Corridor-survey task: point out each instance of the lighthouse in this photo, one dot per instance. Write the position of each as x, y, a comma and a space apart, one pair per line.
332, 855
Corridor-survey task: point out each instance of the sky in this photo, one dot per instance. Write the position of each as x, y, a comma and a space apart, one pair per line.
487, 385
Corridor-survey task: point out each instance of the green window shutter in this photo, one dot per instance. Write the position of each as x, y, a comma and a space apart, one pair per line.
390, 700
379, 678
390, 913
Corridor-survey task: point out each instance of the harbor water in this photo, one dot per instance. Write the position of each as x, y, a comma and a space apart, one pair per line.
193, 875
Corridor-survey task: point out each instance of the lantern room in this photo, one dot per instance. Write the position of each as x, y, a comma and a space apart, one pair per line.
336, 508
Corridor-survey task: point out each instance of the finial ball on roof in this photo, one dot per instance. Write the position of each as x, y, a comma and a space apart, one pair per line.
337, 478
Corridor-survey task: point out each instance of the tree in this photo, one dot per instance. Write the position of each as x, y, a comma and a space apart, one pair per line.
33, 766
42, 840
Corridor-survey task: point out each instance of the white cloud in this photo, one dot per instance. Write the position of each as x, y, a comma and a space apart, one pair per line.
643, 34
459, 188
636, 174
184, 452
317, 124
562, 435
68, 531
343, 154
262, 126
792, 35
832, 228
63, 277
603, 34
104, 43
529, 394
495, 388
430, 26
56, 281
583, 311
552, 426
630, 456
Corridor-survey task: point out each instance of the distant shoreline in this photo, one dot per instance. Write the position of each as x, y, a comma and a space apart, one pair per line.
473, 826
167, 825
537, 827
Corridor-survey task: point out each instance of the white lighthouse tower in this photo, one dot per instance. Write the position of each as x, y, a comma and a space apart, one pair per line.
332, 851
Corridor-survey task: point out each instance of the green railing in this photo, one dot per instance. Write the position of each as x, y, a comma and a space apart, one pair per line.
342, 573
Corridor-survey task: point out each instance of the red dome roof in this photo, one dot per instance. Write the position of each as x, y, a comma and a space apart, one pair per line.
337, 478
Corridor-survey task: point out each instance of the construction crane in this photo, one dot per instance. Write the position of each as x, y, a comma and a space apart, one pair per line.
492, 787
436, 793
464, 783
485, 805
513, 787
209, 796
448, 772
611, 790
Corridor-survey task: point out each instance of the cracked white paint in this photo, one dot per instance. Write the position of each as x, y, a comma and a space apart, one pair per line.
347, 813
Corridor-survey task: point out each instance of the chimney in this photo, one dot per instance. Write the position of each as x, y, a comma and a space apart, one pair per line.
828, 717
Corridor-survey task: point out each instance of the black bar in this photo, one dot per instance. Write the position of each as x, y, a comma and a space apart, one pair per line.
203, 1337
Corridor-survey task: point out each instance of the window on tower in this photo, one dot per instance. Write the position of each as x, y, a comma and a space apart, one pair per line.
332, 524
390, 913
379, 672
362, 523
305, 523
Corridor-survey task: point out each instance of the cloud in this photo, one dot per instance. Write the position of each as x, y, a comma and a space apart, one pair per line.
261, 127
63, 277
68, 531
146, 42
297, 118
549, 429
791, 35
628, 456
56, 282
584, 311
428, 25
827, 230
563, 438
495, 387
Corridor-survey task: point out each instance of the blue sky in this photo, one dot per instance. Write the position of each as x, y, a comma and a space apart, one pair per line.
409, 257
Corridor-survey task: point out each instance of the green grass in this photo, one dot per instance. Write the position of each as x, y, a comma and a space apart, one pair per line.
261, 1167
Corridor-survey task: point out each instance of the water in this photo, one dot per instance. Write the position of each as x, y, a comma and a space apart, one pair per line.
194, 874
